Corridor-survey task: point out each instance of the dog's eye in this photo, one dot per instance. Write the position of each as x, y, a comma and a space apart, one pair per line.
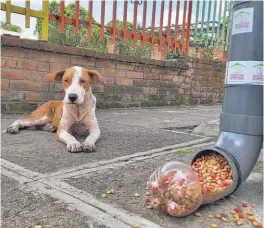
66, 81
82, 81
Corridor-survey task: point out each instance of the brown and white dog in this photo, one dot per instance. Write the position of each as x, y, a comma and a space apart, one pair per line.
76, 113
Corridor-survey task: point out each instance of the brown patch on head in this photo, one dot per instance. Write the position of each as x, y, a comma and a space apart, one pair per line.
68, 77
84, 81
86, 77
93, 77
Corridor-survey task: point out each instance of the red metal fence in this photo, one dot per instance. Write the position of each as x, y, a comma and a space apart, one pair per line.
164, 38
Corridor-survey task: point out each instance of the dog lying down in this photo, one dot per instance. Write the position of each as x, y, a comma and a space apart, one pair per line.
74, 115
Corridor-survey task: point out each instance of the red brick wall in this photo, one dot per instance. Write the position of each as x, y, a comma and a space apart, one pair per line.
132, 82
220, 53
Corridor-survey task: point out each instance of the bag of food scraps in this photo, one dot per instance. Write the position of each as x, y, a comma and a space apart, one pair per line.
179, 189
175, 188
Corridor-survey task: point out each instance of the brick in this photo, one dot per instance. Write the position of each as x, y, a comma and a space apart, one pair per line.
111, 104
40, 96
166, 77
198, 78
181, 91
160, 70
29, 64
110, 88
115, 73
143, 68
69, 50
43, 86
101, 97
124, 81
56, 96
45, 46
140, 97
22, 107
149, 90
105, 64
13, 52
38, 55
153, 97
55, 58
126, 97
133, 74
4, 84
13, 74
58, 66
185, 85
178, 78
188, 79
31, 44
110, 80
42, 66
189, 73
98, 88
3, 107
13, 62
131, 104
152, 83
125, 66
4, 94
35, 76
80, 60
3, 62
151, 76
24, 86
16, 96
56, 87
10, 41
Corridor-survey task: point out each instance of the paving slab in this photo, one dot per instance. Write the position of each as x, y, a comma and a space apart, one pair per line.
39, 151
25, 209
130, 179
162, 117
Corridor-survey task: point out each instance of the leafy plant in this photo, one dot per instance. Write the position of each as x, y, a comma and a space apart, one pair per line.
9, 27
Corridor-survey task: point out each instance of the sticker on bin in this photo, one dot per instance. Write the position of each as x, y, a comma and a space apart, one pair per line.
243, 21
244, 72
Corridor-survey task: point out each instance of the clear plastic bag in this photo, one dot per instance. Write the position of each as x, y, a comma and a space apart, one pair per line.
175, 188
215, 176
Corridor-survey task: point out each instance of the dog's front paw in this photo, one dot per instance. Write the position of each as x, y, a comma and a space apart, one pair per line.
12, 129
74, 146
88, 146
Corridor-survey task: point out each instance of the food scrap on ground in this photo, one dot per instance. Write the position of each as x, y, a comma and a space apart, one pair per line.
137, 226
108, 192
182, 150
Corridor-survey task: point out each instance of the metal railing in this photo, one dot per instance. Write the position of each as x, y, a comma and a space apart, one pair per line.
143, 35
203, 23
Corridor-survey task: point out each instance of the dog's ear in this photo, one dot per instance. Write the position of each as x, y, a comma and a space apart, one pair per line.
54, 76
95, 76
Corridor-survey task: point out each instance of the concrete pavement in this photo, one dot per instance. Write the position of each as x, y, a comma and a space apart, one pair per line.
42, 183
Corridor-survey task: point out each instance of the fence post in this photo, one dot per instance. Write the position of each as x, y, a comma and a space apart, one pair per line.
45, 20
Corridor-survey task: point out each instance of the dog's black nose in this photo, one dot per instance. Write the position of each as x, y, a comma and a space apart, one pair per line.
72, 97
